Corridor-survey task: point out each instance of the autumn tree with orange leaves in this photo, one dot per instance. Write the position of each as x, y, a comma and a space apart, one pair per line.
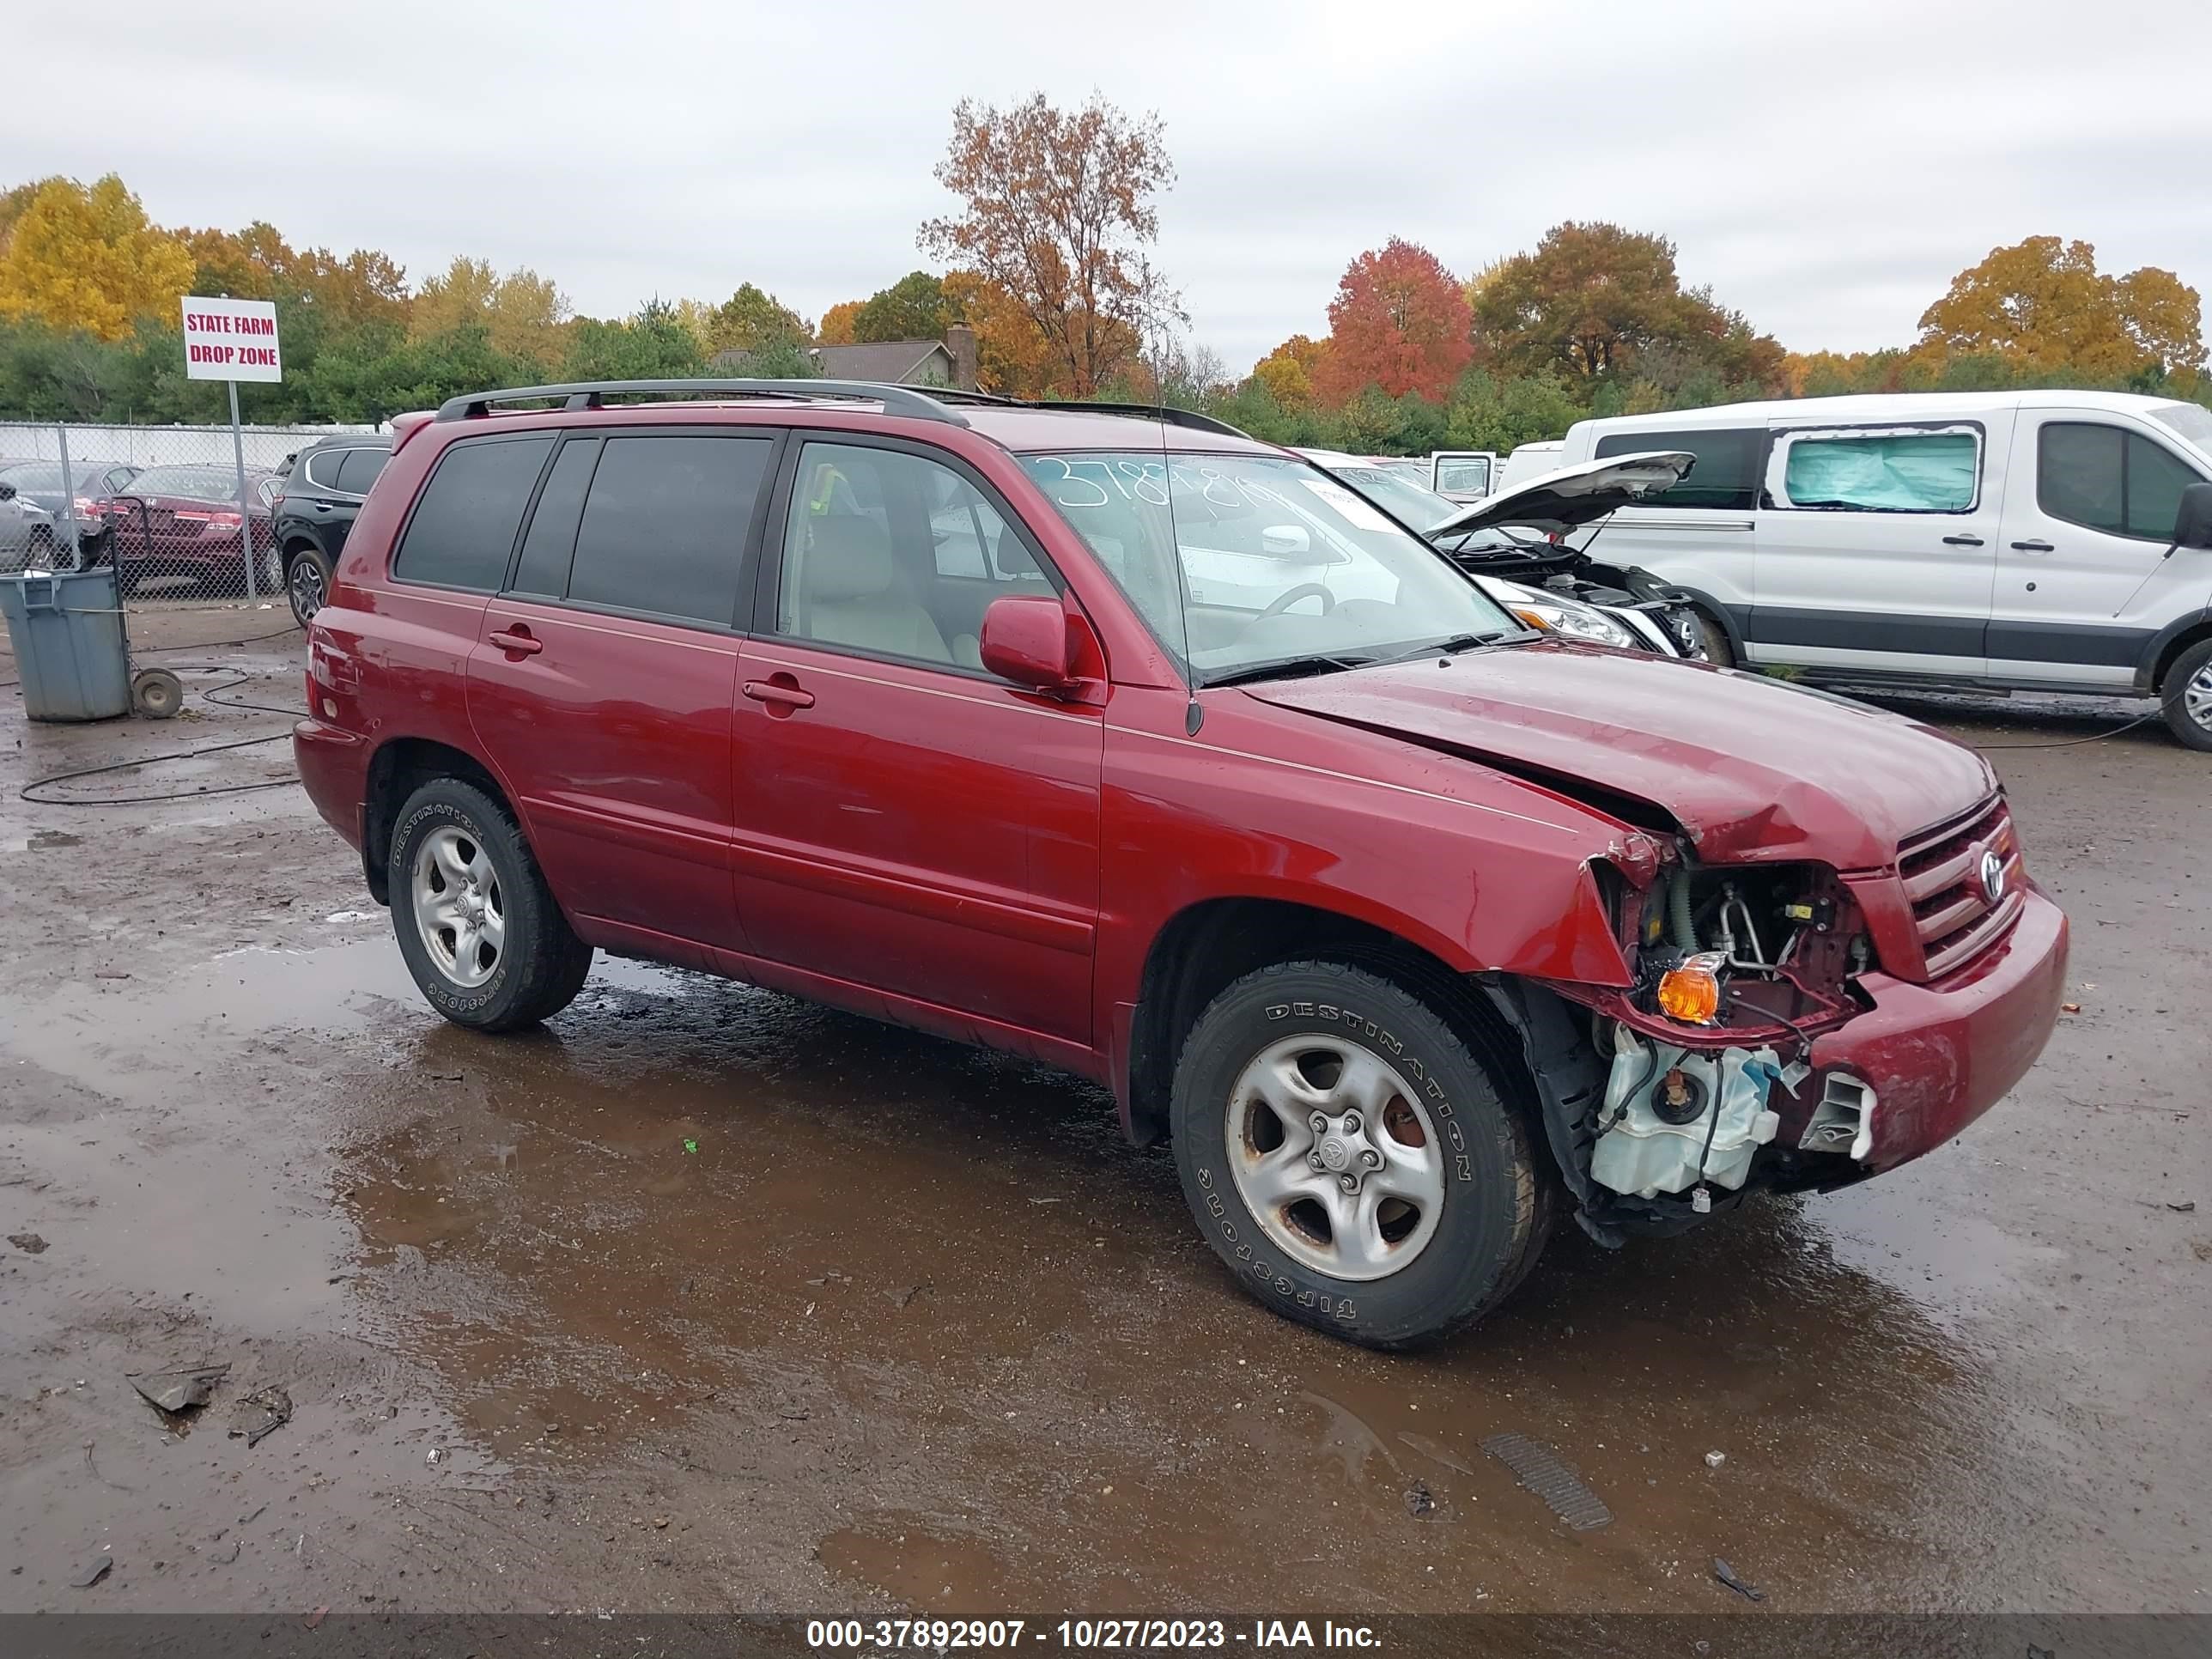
1399, 321
1058, 215
2043, 307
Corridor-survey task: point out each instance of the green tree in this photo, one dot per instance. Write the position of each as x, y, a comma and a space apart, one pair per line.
653, 345
753, 320
914, 307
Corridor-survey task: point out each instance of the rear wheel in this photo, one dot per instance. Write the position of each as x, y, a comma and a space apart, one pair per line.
2188, 696
1351, 1159
306, 583
476, 922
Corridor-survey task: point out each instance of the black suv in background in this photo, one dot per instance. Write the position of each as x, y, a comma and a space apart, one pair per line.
321, 488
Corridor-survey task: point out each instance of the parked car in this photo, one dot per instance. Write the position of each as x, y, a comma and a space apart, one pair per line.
1413, 930
26, 531
320, 489
1463, 475
2050, 541
1513, 543
91, 488
181, 523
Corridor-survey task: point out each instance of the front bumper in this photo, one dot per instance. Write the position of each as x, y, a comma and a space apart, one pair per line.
1939, 1055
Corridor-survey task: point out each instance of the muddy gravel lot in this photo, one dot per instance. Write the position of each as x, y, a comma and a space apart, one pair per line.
702, 1297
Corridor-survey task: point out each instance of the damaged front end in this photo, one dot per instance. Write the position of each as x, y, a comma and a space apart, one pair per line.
1692, 1085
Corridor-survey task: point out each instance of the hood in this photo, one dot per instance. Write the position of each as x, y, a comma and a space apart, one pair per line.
1750, 767
1573, 495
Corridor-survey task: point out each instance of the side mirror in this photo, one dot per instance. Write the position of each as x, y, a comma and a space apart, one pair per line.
1024, 640
1286, 541
2192, 525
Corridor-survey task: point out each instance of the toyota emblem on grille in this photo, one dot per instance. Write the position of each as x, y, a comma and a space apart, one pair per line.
1991, 874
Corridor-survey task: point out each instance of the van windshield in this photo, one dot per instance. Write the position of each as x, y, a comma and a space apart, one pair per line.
2193, 421
1241, 561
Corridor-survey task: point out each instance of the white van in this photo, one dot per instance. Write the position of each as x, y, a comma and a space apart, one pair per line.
2056, 541
1527, 461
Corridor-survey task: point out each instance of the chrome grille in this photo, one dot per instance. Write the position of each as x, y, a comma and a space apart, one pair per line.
1942, 869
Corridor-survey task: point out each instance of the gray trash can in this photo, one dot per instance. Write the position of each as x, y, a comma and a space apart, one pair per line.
66, 628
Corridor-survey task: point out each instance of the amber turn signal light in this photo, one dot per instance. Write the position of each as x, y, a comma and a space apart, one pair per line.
1691, 992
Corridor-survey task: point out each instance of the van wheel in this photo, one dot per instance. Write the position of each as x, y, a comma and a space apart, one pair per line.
2188, 696
1713, 639
1350, 1158
478, 928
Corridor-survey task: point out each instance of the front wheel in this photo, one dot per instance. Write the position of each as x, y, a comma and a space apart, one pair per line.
1351, 1159
2188, 696
1713, 645
477, 924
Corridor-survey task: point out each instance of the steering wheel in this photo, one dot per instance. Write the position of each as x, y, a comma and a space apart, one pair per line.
1289, 597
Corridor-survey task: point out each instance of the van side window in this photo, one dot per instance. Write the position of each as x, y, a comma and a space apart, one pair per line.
1727, 472
463, 530
664, 525
2104, 478
1885, 472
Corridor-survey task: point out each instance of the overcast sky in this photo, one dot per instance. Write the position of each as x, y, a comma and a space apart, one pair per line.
1825, 168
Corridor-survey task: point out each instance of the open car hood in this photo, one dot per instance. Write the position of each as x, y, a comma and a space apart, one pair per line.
1749, 767
1573, 495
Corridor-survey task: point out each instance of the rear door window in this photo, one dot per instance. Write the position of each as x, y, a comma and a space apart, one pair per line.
360, 468
463, 530
664, 524
1726, 474
1879, 471
551, 541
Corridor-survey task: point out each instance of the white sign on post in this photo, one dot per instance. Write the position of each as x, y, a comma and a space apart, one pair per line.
230, 340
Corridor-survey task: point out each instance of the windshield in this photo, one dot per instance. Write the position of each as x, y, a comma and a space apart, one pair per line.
2191, 420
194, 484
1277, 560
39, 476
1416, 506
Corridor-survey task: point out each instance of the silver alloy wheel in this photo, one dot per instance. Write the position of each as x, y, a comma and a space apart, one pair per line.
457, 905
306, 587
2196, 698
1336, 1155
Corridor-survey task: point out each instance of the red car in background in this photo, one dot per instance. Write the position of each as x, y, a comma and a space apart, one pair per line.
181, 524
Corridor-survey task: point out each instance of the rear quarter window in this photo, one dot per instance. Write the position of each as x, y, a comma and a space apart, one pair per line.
463, 530
1726, 475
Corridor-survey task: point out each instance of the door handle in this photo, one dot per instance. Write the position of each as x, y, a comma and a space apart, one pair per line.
1962, 541
781, 696
2031, 547
517, 641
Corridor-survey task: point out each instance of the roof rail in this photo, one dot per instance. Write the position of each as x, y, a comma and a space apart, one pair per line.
1163, 412
594, 394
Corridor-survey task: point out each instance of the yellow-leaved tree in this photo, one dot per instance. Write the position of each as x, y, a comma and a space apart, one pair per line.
2043, 306
86, 257
522, 312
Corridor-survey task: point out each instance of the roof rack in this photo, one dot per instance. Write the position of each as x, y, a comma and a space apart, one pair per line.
1164, 413
594, 394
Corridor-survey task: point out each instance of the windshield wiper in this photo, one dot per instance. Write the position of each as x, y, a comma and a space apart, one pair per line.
1288, 668
1459, 643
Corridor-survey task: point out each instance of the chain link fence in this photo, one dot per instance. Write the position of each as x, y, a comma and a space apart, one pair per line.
184, 513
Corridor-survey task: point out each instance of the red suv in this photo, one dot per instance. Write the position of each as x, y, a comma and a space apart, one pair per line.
1119, 739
